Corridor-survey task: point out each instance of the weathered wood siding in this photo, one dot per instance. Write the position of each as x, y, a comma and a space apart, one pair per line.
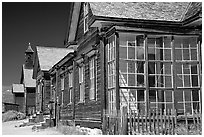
19, 99
80, 28
46, 96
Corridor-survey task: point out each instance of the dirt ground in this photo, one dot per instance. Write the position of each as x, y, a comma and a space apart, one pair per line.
8, 128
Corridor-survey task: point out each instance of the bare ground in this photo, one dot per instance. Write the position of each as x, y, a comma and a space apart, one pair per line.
12, 128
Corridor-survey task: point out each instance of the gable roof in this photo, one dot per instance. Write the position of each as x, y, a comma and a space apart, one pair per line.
27, 77
173, 13
49, 56
165, 11
17, 88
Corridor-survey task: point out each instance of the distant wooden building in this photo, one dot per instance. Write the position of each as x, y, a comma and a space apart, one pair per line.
45, 58
19, 99
137, 55
9, 106
28, 82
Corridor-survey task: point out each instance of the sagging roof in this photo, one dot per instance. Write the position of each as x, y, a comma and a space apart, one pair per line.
17, 88
27, 77
165, 11
49, 56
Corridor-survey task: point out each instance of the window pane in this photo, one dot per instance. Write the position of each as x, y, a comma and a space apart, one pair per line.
186, 55
131, 53
140, 80
186, 69
178, 42
194, 69
131, 67
123, 66
179, 81
178, 54
131, 80
123, 52
194, 54
167, 68
168, 81
187, 81
167, 54
194, 80
167, 42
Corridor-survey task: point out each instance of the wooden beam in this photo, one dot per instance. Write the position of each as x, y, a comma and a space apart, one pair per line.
117, 71
146, 75
174, 107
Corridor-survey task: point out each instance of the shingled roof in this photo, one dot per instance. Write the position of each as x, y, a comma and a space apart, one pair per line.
166, 11
17, 88
27, 76
49, 56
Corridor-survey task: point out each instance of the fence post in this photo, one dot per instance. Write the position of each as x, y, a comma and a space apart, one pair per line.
104, 125
124, 130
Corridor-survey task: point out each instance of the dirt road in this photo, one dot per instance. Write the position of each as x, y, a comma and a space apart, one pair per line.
8, 128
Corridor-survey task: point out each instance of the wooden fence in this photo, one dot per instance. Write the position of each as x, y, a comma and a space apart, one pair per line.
156, 122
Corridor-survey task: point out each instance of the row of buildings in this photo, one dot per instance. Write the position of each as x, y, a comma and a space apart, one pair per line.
137, 55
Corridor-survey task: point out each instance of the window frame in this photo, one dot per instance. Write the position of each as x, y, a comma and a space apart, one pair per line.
81, 83
86, 17
92, 77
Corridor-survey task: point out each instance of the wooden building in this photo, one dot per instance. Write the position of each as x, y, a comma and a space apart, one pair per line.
28, 82
139, 55
18, 94
45, 58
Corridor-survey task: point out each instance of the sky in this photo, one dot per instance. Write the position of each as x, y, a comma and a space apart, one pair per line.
38, 23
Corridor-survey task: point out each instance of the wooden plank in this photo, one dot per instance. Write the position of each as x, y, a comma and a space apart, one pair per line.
172, 122
161, 121
174, 76
154, 128
117, 72
142, 120
138, 122
146, 80
157, 116
165, 122
146, 126
134, 122
150, 121
169, 123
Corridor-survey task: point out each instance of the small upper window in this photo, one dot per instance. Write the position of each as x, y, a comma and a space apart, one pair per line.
86, 11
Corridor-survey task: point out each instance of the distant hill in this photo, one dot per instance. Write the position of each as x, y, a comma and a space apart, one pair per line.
7, 95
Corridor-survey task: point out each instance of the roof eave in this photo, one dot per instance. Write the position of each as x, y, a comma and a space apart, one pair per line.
99, 19
62, 61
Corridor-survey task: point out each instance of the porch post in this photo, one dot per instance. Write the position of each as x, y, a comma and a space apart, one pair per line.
174, 79
117, 72
146, 76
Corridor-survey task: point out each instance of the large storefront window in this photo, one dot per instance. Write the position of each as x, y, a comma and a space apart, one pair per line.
187, 74
155, 71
